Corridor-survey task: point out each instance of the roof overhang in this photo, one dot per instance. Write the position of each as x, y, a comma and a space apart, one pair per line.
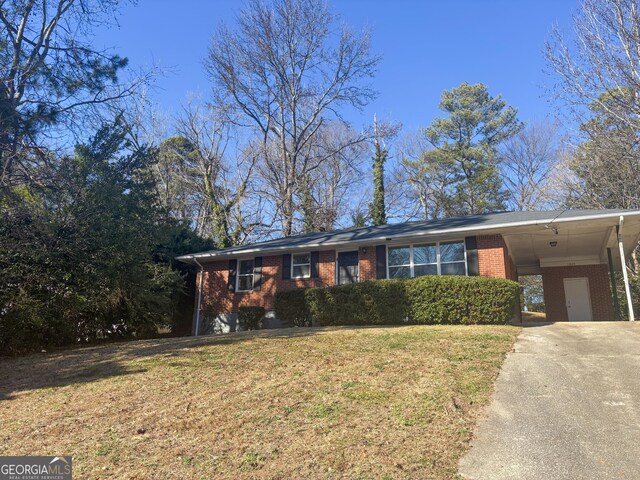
583, 238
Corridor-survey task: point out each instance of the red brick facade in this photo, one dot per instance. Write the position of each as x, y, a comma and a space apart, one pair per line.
216, 293
599, 289
493, 258
493, 261
367, 263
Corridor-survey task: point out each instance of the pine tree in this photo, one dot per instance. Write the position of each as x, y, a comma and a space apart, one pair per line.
465, 142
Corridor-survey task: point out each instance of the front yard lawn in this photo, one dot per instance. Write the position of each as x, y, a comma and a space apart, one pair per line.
357, 403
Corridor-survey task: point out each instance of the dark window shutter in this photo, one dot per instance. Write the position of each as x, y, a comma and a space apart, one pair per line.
381, 261
257, 273
233, 266
286, 266
473, 268
315, 261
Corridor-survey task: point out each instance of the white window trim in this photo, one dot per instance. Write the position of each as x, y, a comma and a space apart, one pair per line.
238, 274
293, 277
438, 264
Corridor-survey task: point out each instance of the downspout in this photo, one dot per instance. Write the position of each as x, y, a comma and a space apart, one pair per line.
197, 313
625, 276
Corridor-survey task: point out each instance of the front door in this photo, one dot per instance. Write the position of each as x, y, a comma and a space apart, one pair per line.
347, 267
578, 300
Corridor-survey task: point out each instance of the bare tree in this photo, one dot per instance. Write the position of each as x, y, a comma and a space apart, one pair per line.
528, 161
49, 73
217, 177
606, 166
423, 182
336, 186
285, 73
603, 57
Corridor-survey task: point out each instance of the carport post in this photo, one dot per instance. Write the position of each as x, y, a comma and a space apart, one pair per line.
197, 312
614, 287
625, 276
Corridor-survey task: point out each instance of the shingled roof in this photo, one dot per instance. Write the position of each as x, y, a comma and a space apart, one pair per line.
463, 225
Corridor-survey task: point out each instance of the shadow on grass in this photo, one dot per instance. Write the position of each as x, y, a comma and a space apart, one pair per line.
92, 363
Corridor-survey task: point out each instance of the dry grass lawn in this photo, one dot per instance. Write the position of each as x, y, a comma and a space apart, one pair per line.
357, 403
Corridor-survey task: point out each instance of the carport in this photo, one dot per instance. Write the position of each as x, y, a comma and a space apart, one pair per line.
577, 253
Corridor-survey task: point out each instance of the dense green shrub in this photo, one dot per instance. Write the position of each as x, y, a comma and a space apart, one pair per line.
466, 300
250, 318
367, 303
423, 300
291, 308
81, 259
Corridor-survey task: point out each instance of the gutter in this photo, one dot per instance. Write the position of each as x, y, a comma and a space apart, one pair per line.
200, 281
385, 238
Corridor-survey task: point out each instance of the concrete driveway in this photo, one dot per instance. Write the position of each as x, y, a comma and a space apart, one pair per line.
566, 406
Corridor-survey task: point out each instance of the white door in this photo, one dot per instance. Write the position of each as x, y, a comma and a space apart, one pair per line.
578, 300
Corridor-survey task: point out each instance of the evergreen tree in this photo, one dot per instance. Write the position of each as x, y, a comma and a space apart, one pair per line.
358, 219
377, 209
84, 254
465, 142
308, 207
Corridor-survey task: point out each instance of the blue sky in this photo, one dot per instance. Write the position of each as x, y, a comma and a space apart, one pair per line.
427, 46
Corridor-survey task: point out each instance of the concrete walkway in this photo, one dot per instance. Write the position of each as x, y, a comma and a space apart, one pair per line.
566, 406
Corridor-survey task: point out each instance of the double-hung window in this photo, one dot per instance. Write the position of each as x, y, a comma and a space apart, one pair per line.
416, 260
452, 260
301, 265
400, 262
245, 275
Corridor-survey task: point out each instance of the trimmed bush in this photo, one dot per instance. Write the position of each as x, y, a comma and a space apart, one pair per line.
466, 300
422, 300
367, 303
250, 318
291, 308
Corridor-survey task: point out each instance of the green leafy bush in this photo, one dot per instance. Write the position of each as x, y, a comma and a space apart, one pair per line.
367, 303
423, 300
466, 300
250, 318
291, 308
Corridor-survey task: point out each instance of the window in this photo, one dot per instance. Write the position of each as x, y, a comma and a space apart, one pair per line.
425, 260
452, 260
301, 265
245, 275
440, 258
400, 262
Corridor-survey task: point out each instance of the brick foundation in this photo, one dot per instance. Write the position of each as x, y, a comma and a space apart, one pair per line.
599, 290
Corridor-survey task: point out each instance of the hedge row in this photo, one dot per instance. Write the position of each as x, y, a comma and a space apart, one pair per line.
250, 318
292, 309
423, 300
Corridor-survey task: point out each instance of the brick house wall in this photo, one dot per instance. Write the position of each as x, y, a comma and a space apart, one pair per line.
216, 294
367, 263
493, 261
599, 290
493, 258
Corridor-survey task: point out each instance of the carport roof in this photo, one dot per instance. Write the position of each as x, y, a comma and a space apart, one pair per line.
472, 224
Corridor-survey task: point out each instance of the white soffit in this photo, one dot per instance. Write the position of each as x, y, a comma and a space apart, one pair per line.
570, 243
